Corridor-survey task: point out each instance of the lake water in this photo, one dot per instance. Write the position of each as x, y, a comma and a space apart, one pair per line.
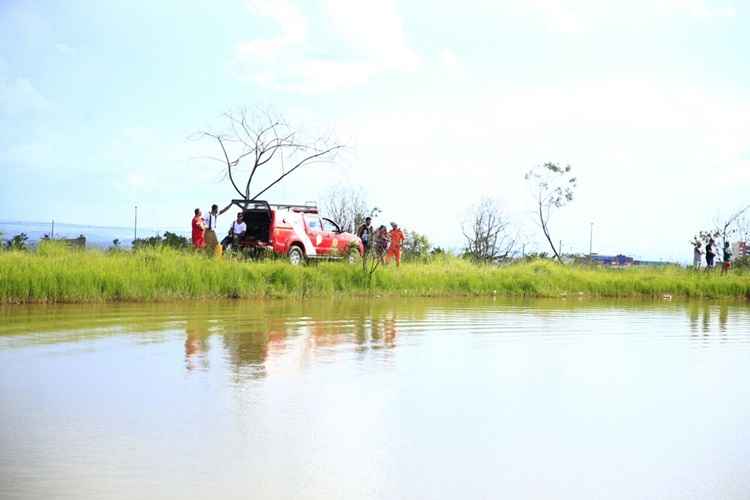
434, 399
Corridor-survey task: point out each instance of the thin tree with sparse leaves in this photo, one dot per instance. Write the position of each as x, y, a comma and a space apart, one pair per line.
553, 187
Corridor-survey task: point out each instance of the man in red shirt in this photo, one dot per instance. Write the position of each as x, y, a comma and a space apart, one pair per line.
397, 239
199, 228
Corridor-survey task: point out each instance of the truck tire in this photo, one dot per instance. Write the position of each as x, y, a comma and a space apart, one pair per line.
296, 256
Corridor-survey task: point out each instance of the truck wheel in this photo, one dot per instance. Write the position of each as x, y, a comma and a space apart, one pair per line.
296, 256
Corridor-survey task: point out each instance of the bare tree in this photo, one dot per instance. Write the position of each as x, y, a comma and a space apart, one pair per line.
347, 207
553, 187
732, 224
255, 143
742, 227
724, 229
487, 233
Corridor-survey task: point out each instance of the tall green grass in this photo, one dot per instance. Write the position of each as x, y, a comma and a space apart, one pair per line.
58, 274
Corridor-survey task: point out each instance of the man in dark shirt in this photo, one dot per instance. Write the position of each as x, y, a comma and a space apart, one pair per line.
710, 254
365, 233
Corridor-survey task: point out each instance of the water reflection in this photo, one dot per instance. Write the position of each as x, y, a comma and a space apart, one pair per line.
196, 344
247, 349
252, 337
310, 335
701, 317
375, 399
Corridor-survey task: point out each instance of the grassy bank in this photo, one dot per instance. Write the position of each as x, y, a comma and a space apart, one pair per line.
57, 274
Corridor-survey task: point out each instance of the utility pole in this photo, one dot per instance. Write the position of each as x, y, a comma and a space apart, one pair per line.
591, 242
52, 234
135, 224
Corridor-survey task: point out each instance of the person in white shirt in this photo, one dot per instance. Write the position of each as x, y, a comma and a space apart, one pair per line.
211, 222
236, 234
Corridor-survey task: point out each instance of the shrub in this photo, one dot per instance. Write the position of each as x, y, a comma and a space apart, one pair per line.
170, 240
18, 242
416, 246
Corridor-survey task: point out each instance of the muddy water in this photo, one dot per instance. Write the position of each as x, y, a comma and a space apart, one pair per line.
383, 399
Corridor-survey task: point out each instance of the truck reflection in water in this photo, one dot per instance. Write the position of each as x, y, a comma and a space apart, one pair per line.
278, 345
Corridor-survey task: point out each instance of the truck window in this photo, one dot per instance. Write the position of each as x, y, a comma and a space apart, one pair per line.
313, 222
329, 226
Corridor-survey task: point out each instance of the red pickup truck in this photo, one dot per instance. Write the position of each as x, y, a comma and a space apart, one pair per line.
296, 231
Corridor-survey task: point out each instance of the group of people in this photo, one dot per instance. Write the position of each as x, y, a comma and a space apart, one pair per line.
385, 244
710, 254
204, 230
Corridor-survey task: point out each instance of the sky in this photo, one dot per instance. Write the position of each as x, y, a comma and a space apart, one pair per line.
439, 104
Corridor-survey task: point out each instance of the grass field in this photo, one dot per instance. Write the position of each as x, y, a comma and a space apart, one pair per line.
58, 274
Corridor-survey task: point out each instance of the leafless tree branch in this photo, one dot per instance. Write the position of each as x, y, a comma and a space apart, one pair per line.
260, 142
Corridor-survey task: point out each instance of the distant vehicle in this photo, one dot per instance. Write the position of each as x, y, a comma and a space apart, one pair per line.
296, 231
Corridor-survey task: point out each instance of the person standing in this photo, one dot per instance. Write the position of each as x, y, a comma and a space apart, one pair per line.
397, 240
727, 259
364, 231
211, 222
380, 243
697, 254
710, 254
198, 230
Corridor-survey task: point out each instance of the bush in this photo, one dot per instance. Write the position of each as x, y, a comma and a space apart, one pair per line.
170, 240
416, 246
176, 241
18, 242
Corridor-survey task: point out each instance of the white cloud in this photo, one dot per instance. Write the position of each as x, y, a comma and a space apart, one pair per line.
314, 76
374, 29
559, 15
64, 49
18, 96
574, 16
695, 8
291, 22
373, 39
449, 58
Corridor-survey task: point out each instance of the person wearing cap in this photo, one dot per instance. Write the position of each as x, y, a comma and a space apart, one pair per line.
396, 241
